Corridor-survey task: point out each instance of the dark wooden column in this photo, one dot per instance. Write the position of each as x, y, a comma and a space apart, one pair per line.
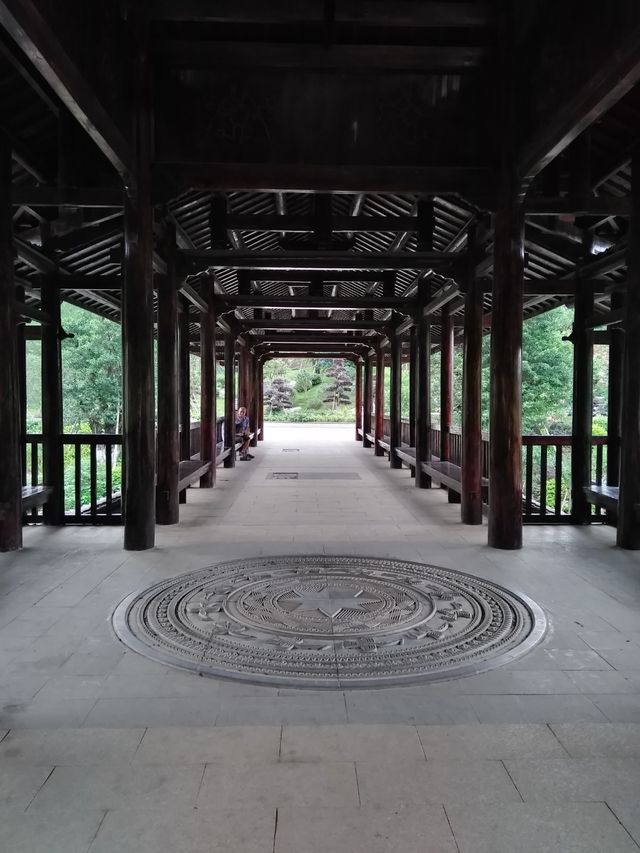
358, 399
254, 416
260, 391
582, 403
243, 378
10, 438
614, 395
185, 383
379, 430
53, 462
208, 389
22, 383
412, 388
422, 353
505, 463
229, 399
471, 497
628, 535
446, 384
167, 509
366, 402
395, 401
137, 323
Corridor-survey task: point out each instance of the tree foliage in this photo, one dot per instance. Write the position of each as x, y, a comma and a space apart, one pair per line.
277, 394
339, 391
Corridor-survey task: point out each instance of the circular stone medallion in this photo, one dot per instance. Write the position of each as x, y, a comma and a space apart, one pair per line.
313, 621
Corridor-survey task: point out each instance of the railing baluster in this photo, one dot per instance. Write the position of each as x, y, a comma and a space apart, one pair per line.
558, 490
93, 479
108, 477
543, 479
78, 478
599, 464
528, 480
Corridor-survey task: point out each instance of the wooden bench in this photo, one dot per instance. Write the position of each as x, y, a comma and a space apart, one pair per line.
450, 475
606, 497
34, 496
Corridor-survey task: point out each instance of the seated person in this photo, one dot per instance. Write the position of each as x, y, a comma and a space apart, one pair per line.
242, 429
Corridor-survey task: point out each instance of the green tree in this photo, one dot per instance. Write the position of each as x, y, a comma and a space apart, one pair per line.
91, 371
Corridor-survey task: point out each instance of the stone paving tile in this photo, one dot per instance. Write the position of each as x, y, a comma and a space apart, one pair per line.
615, 740
244, 744
627, 657
389, 786
172, 711
20, 783
575, 780
340, 830
328, 707
228, 785
525, 827
233, 830
44, 714
125, 786
628, 813
396, 706
619, 708
611, 681
52, 833
350, 743
70, 746
535, 709
489, 741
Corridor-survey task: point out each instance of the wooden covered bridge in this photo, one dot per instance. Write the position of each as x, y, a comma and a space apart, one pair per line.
362, 179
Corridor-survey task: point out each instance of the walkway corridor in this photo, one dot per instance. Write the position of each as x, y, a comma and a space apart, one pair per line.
103, 750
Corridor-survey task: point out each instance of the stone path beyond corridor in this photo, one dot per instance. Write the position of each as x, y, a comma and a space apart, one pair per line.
104, 750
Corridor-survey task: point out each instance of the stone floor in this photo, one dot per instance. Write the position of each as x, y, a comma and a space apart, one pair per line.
103, 750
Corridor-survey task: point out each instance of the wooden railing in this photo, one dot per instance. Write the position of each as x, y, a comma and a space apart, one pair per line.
32, 469
93, 477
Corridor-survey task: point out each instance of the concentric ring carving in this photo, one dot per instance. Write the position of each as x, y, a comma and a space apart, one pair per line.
335, 622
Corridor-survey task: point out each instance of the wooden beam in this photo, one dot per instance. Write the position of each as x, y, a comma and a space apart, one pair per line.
395, 401
417, 59
606, 318
302, 277
52, 423
272, 223
229, 400
40, 196
472, 182
358, 402
185, 387
588, 206
208, 390
307, 303
422, 354
445, 295
471, 485
379, 402
617, 74
582, 406
29, 29
305, 324
321, 260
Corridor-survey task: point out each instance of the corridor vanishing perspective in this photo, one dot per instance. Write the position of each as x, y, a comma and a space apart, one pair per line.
526, 754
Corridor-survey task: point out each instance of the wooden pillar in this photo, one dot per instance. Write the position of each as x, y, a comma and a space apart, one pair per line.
53, 462
366, 403
446, 383
412, 388
471, 497
208, 390
22, 384
260, 389
379, 430
185, 383
614, 396
358, 400
229, 399
628, 535
582, 403
422, 353
243, 377
254, 417
10, 438
137, 323
395, 400
167, 509
505, 463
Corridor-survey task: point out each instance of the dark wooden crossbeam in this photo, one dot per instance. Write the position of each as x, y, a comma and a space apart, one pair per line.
308, 303
421, 59
603, 81
301, 277
40, 196
606, 318
29, 29
400, 13
303, 337
305, 324
591, 206
476, 183
321, 260
27, 158
307, 224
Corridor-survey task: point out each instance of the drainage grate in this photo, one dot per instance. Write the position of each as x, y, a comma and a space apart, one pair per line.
282, 475
313, 475
291, 450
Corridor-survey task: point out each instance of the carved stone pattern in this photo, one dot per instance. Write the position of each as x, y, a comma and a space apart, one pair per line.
333, 622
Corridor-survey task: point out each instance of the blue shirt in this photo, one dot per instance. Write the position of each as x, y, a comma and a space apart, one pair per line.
242, 423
